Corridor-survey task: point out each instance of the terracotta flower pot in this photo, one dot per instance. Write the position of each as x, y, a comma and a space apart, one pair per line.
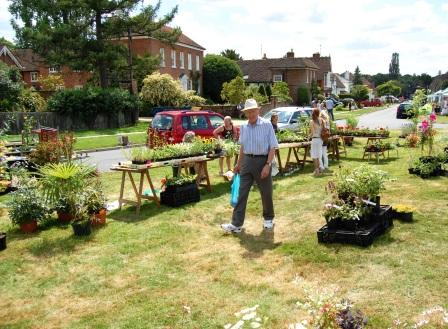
29, 227
100, 218
64, 217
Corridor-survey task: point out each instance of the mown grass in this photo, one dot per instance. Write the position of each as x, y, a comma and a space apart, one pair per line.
345, 113
99, 138
174, 268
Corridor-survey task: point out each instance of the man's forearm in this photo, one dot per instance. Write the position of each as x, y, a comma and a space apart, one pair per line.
271, 155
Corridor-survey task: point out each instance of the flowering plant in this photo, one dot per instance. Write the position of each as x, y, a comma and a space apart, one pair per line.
427, 132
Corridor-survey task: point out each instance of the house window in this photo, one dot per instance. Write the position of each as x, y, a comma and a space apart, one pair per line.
182, 60
53, 69
197, 63
34, 76
278, 78
173, 58
162, 57
190, 65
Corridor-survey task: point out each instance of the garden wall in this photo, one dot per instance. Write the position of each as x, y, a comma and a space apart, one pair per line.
64, 122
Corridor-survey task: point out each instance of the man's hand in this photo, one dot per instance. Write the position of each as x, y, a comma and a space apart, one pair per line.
265, 172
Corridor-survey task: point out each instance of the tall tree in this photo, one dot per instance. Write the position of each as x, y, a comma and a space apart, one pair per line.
217, 70
425, 80
357, 80
394, 67
77, 33
231, 54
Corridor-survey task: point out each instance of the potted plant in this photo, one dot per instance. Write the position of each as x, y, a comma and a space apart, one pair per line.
179, 190
81, 223
2, 241
95, 201
26, 208
341, 214
63, 184
403, 212
64, 210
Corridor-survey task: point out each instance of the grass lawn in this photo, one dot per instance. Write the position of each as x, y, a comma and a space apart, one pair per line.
442, 119
93, 139
174, 268
345, 114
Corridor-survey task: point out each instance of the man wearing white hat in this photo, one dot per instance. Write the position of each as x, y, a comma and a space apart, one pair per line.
258, 144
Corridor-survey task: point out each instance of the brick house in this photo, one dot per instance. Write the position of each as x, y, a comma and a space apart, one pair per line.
295, 71
183, 60
324, 64
32, 67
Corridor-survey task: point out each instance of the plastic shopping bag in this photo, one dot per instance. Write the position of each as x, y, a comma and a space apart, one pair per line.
234, 190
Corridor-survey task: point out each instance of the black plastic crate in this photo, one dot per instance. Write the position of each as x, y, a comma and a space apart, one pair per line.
362, 236
180, 195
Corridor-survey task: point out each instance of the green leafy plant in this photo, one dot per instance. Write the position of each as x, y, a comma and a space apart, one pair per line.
27, 205
65, 181
180, 180
95, 199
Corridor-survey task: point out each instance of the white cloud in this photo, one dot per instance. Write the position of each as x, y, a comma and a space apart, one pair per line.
363, 33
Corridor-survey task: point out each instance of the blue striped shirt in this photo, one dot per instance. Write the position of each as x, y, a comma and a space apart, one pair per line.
258, 138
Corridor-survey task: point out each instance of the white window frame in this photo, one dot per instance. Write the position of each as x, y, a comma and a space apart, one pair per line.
53, 69
198, 66
182, 60
277, 78
190, 64
162, 57
173, 58
36, 74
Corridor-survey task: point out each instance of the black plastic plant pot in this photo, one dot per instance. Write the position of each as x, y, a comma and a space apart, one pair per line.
136, 162
405, 216
82, 228
2, 241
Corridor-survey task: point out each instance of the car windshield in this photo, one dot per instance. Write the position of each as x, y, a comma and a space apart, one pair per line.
161, 121
283, 116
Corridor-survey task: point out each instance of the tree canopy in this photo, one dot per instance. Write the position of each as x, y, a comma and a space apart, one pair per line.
390, 87
217, 70
231, 54
77, 33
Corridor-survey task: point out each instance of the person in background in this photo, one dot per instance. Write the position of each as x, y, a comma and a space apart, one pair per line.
258, 144
274, 121
227, 132
316, 142
323, 161
330, 105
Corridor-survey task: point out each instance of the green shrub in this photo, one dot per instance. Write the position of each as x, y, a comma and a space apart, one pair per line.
268, 91
303, 96
31, 101
343, 96
88, 103
281, 90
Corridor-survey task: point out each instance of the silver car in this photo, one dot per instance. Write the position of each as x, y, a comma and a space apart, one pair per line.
289, 117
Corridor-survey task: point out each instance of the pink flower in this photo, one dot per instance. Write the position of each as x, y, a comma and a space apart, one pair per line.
425, 124
433, 117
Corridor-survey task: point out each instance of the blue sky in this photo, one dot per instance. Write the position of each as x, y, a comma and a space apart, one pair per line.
353, 32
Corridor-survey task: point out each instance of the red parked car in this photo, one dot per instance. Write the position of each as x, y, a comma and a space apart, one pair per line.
171, 126
372, 103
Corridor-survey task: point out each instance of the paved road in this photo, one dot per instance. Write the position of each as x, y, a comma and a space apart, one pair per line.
384, 118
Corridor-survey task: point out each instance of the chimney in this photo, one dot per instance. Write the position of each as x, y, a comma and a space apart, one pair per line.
316, 55
290, 54
264, 56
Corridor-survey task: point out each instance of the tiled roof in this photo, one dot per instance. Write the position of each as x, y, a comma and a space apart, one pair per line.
28, 59
182, 38
259, 70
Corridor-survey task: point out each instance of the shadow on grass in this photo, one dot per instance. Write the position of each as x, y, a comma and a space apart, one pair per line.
255, 245
149, 209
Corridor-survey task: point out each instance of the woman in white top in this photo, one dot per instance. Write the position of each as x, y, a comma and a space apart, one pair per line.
316, 142
323, 161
